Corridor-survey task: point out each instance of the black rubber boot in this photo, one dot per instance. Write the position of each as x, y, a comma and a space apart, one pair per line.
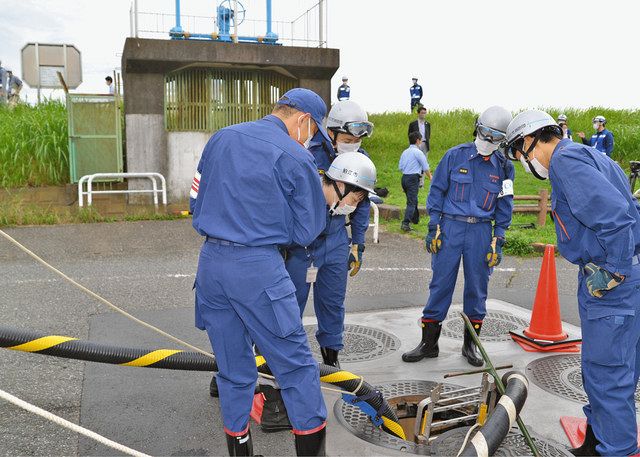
311, 444
469, 348
274, 414
330, 357
240, 445
588, 447
428, 346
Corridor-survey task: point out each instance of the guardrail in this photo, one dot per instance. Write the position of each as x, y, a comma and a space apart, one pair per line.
153, 177
376, 222
542, 207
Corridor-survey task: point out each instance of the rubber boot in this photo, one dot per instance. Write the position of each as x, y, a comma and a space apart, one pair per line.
311, 444
428, 346
469, 349
274, 414
330, 357
588, 447
240, 445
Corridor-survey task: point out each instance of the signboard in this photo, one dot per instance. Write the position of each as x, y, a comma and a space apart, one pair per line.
41, 61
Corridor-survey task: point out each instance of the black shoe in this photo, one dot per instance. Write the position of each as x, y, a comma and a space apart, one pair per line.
330, 357
240, 445
405, 227
469, 348
588, 447
213, 388
311, 444
428, 346
274, 413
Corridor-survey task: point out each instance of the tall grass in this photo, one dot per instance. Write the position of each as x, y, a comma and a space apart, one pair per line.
34, 145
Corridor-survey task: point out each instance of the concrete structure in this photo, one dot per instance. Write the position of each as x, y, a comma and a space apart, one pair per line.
145, 64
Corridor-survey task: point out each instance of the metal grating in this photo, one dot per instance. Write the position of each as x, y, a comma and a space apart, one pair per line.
496, 326
514, 444
360, 343
561, 375
208, 99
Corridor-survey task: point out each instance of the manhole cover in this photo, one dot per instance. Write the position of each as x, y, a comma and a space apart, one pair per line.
561, 375
360, 343
514, 444
360, 425
496, 326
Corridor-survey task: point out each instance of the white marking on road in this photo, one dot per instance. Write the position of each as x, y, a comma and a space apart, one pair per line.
421, 269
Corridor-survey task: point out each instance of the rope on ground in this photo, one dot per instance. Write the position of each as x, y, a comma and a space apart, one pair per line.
69, 425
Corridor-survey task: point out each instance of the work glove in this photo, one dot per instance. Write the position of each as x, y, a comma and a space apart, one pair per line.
599, 280
433, 240
494, 254
355, 258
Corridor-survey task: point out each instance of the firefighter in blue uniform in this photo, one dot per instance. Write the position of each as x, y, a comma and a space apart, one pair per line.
257, 188
602, 139
344, 91
333, 254
598, 228
415, 92
469, 204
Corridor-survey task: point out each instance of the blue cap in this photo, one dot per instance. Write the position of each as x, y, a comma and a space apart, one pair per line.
307, 101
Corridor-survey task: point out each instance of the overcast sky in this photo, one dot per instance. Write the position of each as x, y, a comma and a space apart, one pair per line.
471, 54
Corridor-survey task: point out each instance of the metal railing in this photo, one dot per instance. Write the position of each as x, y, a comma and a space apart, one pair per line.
376, 222
153, 177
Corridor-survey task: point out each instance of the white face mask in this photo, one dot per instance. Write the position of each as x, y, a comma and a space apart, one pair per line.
537, 166
308, 140
347, 147
596, 126
485, 148
341, 210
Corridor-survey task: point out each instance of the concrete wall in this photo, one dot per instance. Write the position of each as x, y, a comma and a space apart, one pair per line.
183, 154
146, 62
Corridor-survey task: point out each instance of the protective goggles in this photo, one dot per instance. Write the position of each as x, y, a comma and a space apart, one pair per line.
358, 129
512, 148
488, 134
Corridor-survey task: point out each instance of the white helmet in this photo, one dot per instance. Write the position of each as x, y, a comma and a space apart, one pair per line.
492, 124
599, 118
354, 168
344, 78
347, 116
524, 124
562, 118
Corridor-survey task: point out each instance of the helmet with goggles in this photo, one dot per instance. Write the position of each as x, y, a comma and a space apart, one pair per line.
525, 124
492, 124
354, 169
600, 119
348, 117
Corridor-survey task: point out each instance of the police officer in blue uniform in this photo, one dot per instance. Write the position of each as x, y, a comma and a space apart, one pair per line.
566, 131
415, 92
470, 204
602, 139
344, 91
257, 188
598, 228
333, 254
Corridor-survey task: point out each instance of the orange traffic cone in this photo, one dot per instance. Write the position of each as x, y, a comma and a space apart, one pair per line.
545, 329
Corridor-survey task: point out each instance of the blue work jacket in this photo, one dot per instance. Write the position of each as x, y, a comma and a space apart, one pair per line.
602, 141
344, 92
256, 186
465, 184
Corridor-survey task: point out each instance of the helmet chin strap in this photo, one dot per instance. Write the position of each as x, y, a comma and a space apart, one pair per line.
526, 156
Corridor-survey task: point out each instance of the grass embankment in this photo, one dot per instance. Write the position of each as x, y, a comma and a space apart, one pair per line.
454, 127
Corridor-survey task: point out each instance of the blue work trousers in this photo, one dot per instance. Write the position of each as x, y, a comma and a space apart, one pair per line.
611, 363
411, 186
471, 242
330, 254
243, 296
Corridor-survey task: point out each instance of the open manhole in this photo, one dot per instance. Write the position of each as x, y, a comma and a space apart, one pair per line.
402, 397
449, 443
561, 375
495, 327
360, 343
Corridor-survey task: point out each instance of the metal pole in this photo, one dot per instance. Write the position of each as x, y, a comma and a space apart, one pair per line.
235, 20
491, 369
480, 370
321, 24
178, 14
38, 67
135, 16
268, 17
131, 20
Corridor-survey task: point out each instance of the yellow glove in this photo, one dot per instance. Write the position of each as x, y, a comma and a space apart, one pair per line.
355, 258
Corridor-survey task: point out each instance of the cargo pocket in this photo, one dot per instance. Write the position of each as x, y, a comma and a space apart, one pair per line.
285, 308
607, 340
460, 186
488, 194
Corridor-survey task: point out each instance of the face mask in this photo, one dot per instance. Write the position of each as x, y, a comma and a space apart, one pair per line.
348, 147
485, 148
534, 167
341, 210
596, 126
525, 165
308, 140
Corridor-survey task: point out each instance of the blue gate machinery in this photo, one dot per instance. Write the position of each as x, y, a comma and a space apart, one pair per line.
227, 12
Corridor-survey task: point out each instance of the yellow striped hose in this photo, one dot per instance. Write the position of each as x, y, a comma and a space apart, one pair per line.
73, 348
